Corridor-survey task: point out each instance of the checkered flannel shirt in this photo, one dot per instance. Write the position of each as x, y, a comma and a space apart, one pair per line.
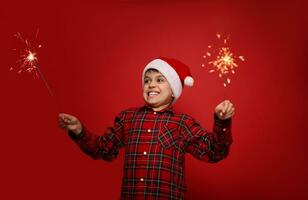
155, 146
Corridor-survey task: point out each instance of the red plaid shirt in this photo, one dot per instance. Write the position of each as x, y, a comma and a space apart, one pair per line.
155, 144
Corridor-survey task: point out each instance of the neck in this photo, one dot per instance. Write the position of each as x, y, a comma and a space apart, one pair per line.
161, 107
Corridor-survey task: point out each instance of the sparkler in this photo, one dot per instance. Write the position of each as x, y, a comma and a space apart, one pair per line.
28, 59
221, 59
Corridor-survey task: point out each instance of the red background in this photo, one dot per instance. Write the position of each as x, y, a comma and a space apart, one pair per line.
93, 55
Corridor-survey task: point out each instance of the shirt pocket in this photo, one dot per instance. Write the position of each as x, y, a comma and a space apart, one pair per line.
167, 137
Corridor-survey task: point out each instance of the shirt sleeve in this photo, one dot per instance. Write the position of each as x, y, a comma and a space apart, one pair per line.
208, 146
104, 146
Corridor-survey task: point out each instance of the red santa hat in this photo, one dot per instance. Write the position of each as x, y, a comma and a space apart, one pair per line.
176, 72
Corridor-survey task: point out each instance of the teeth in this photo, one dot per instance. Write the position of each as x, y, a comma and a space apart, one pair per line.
153, 93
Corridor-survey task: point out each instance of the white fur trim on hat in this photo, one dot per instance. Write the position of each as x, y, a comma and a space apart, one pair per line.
169, 73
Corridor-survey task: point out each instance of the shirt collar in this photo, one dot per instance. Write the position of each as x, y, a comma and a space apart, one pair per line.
168, 109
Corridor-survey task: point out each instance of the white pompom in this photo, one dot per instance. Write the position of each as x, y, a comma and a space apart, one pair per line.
189, 81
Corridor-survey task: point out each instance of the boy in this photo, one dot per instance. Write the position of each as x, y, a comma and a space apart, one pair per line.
156, 137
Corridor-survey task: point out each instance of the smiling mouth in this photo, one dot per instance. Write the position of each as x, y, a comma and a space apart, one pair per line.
153, 94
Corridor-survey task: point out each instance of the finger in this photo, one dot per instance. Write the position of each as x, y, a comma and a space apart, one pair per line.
225, 106
68, 121
232, 110
220, 106
60, 119
229, 108
229, 115
62, 125
66, 116
62, 115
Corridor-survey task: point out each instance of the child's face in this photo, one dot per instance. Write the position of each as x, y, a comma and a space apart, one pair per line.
157, 92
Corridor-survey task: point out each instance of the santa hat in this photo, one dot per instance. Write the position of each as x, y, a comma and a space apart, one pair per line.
177, 74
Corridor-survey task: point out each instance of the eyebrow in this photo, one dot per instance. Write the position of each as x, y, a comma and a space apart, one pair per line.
159, 76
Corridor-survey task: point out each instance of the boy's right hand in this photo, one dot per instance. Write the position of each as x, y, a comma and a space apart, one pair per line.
69, 123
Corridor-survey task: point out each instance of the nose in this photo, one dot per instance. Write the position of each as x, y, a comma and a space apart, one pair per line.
152, 84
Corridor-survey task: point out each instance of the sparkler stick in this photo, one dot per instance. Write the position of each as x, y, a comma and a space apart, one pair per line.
28, 61
45, 82
221, 60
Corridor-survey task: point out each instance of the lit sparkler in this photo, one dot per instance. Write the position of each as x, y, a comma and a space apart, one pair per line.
28, 59
224, 60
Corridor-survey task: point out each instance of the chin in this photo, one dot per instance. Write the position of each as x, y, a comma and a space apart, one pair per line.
151, 103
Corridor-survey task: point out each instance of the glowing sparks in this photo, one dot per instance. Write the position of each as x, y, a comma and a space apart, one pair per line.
31, 57
225, 62
28, 59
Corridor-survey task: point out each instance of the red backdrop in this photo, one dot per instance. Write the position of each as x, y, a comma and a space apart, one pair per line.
93, 55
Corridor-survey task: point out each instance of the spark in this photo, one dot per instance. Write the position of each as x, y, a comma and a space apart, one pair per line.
224, 61
28, 59
31, 57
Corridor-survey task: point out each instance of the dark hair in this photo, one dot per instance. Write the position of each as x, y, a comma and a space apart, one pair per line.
151, 70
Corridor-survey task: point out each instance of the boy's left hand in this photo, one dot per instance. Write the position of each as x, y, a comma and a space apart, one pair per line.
224, 110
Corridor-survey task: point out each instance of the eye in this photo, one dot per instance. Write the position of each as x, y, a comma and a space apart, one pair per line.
160, 80
146, 81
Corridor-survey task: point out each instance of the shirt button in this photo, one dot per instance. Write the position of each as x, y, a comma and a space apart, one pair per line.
144, 153
149, 130
141, 179
224, 129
